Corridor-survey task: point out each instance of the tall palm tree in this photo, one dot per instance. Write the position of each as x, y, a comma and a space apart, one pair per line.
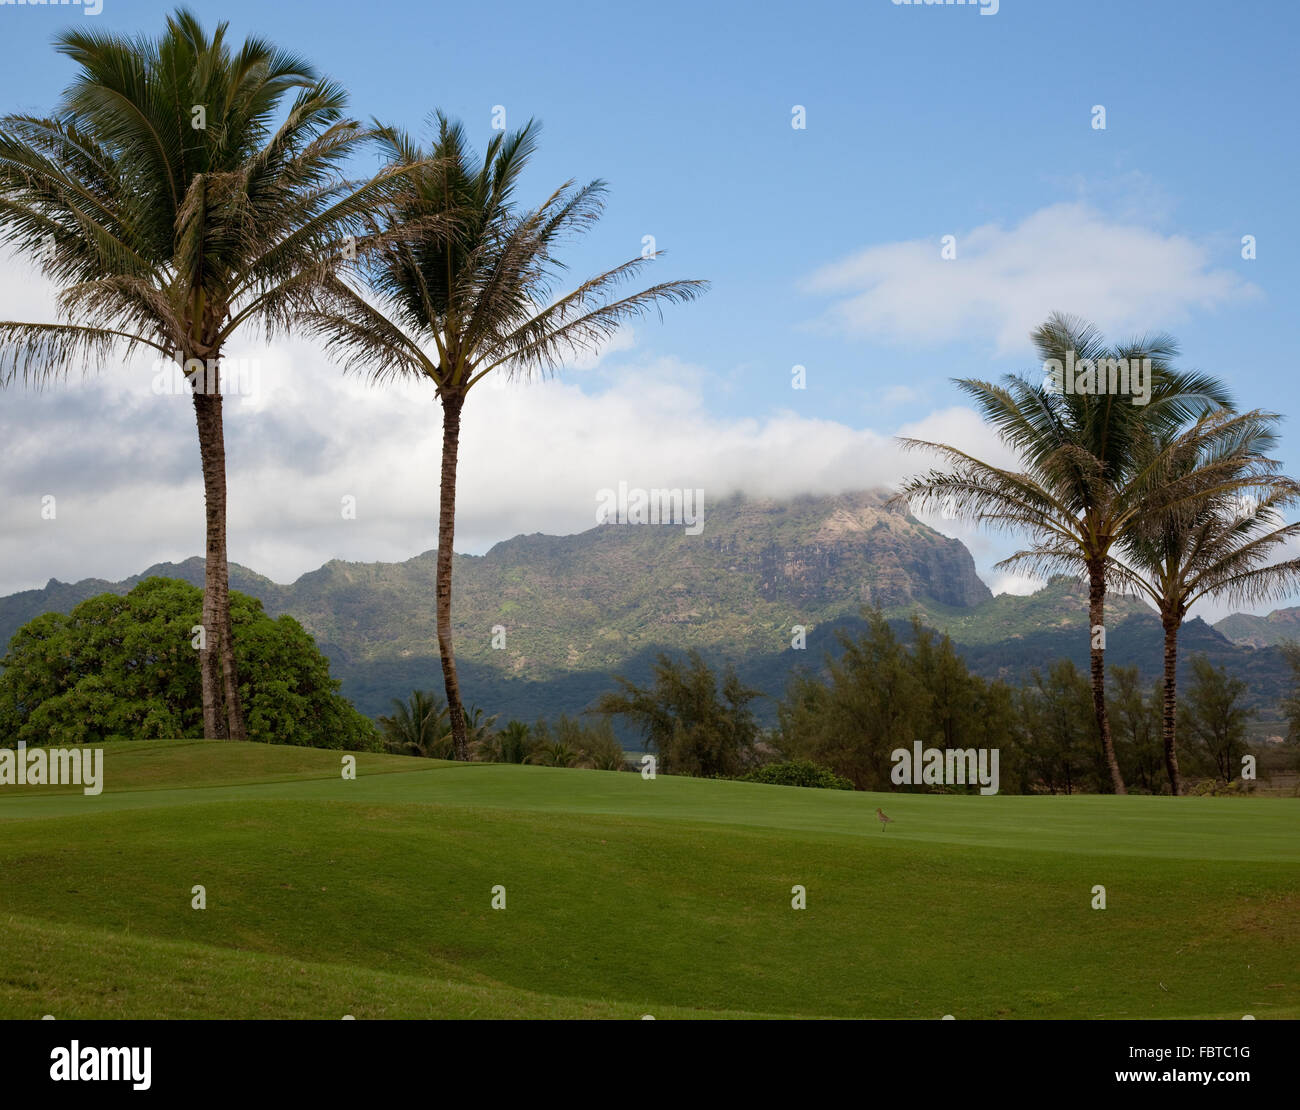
1079, 491
470, 291
181, 190
1210, 531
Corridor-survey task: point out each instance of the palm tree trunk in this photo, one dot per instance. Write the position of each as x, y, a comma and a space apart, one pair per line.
1097, 619
1171, 703
451, 407
234, 707
223, 716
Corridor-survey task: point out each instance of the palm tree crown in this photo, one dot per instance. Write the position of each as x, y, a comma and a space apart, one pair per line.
459, 282
174, 197
1209, 530
1079, 489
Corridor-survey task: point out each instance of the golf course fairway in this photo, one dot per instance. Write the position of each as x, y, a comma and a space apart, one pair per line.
674, 897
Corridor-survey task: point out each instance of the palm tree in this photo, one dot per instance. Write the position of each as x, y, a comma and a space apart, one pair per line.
468, 291
418, 726
478, 729
1079, 491
510, 744
556, 754
1210, 532
171, 208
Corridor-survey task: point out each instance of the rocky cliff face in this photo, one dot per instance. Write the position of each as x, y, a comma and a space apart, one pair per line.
824, 551
575, 608
590, 600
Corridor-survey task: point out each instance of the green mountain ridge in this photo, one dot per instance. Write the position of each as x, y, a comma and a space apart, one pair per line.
594, 598
1267, 631
575, 608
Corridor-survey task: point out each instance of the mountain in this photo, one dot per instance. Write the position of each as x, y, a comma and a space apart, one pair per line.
576, 608
1279, 626
596, 598
1008, 637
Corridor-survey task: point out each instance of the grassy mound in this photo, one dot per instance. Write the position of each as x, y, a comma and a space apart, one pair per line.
672, 897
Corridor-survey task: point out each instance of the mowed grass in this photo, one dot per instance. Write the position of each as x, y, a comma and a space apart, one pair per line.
625, 897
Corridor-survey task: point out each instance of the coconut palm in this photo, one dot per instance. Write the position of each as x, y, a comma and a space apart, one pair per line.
418, 726
478, 728
555, 754
1210, 531
470, 291
1079, 490
510, 744
183, 188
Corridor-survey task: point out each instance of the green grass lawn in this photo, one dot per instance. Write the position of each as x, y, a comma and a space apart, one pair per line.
626, 897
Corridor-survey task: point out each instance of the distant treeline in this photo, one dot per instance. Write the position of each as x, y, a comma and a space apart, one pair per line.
883, 693
124, 667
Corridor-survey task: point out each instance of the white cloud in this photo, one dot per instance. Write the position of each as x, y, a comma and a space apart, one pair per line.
123, 463
1019, 585
622, 340
899, 395
1004, 282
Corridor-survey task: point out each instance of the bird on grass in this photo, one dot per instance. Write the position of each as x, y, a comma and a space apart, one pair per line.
883, 819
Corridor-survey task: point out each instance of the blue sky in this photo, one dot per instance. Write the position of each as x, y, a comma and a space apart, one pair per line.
823, 243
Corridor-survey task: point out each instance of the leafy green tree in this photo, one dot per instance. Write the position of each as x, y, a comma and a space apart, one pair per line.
176, 195
882, 694
962, 710
568, 742
872, 702
1136, 718
1079, 489
1291, 700
462, 286
1216, 718
1290, 705
125, 668
1062, 747
600, 750
1000, 726
697, 727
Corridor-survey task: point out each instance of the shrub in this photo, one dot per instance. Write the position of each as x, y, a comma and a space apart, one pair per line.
798, 772
571, 743
1212, 788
